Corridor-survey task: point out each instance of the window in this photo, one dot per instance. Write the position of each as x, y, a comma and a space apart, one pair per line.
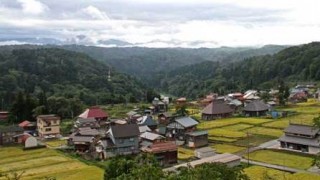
131, 139
48, 129
120, 141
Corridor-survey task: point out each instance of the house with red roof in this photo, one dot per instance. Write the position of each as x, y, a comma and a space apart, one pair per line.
95, 112
165, 152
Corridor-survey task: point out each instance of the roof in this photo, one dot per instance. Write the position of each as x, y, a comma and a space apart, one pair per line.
49, 117
235, 102
302, 129
86, 120
256, 105
300, 140
181, 99
11, 129
126, 130
151, 136
161, 147
94, 112
146, 120
217, 108
143, 129
88, 132
197, 133
186, 121
82, 138
24, 123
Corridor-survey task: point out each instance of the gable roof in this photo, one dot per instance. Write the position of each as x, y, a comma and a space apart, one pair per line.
146, 120
161, 147
143, 129
166, 114
11, 129
256, 105
93, 112
151, 136
24, 123
197, 133
88, 132
126, 130
301, 129
216, 107
186, 121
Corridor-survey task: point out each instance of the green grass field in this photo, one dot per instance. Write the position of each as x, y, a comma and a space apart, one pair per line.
263, 173
282, 158
40, 163
226, 148
265, 131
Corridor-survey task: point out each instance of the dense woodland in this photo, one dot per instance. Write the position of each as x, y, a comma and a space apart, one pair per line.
58, 79
293, 65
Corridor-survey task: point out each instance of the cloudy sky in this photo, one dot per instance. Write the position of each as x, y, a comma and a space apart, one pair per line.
163, 23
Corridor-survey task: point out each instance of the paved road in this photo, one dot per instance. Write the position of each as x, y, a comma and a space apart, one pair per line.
282, 168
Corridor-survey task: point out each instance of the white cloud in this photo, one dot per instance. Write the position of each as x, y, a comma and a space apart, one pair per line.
33, 7
95, 13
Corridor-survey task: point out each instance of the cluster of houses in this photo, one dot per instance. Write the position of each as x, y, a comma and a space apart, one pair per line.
96, 135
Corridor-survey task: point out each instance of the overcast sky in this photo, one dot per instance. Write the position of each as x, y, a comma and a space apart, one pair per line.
164, 23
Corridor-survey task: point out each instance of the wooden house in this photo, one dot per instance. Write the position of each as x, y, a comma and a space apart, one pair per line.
165, 118
123, 139
165, 152
216, 110
179, 127
10, 135
301, 138
197, 139
48, 126
256, 108
84, 139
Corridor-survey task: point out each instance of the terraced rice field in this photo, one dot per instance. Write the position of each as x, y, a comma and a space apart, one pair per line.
225, 148
40, 163
231, 121
265, 131
185, 154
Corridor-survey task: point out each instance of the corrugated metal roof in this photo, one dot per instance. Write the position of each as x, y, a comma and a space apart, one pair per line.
186, 121
151, 136
302, 129
198, 133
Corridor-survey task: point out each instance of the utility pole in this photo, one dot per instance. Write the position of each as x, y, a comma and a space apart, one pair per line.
248, 147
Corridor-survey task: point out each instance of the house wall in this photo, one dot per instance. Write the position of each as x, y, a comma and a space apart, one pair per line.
127, 145
167, 158
48, 129
7, 137
314, 150
197, 141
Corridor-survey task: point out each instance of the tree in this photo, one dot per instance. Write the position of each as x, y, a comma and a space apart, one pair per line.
181, 110
283, 93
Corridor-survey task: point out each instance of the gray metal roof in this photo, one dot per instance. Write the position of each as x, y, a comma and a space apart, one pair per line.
198, 133
151, 136
126, 130
82, 139
86, 120
302, 129
300, 140
186, 121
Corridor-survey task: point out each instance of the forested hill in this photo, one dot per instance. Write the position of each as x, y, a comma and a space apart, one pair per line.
62, 73
294, 64
145, 62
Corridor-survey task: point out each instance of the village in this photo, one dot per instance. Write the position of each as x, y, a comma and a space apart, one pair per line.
234, 129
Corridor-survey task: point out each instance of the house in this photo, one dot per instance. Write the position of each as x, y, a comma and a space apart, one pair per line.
158, 105
97, 113
216, 110
204, 152
297, 97
147, 121
29, 127
235, 104
10, 135
151, 137
4, 115
181, 101
197, 139
143, 129
301, 138
256, 108
165, 118
165, 152
123, 139
48, 126
251, 95
86, 122
180, 126
84, 139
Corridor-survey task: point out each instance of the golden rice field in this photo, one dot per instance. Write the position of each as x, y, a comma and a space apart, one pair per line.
265, 131
262, 173
226, 133
184, 153
41, 163
281, 158
226, 148
223, 139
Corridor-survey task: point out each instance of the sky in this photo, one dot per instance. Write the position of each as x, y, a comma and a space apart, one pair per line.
162, 23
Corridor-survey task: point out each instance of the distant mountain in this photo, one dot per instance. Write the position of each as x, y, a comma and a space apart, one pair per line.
294, 64
114, 42
145, 62
64, 73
